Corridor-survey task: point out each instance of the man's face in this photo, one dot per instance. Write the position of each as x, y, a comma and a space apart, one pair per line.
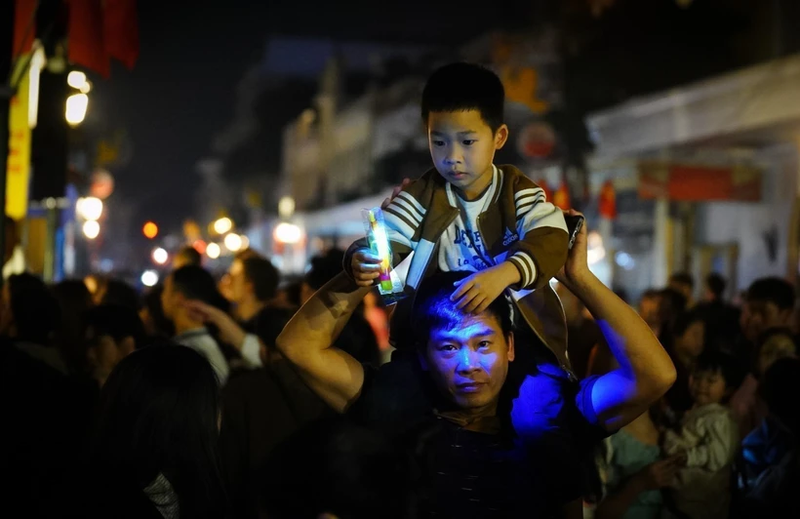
239, 286
469, 363
462, 147
759, 316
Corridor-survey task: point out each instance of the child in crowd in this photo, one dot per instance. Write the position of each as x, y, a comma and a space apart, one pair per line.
468, 214
708, 439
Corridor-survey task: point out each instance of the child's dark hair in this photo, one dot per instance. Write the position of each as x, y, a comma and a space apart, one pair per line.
772, 290
727, 365
433, 309
465, 86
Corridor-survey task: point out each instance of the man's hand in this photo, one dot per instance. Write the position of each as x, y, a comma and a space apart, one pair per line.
576, 268
475, 293
366, 267
229, 331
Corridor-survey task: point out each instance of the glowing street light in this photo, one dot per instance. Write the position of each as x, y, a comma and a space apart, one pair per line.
233, 242
91, 229
89, 208
149, 278
287, 233
223, 225
150, 230
213, 251
75, 112
160, 256
76, 79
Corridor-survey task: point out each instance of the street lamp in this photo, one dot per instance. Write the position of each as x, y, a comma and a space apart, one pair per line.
213, 251
233, 242
160, 256
89, 208
76, 109
223, 225
287, 233
91, 229
149, 278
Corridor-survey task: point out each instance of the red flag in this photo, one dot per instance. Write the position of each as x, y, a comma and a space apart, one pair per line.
85, 33
24, 27
121, 31
607, 204
561, 198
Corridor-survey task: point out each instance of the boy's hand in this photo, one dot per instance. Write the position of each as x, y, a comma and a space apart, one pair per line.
475, 293
366, 267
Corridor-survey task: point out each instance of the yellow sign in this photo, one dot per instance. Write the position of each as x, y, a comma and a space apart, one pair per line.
19, 151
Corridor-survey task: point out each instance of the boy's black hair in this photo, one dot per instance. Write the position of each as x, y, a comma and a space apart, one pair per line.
263, 275
728, 366
465, 86
716, 284
772, 290
433, 309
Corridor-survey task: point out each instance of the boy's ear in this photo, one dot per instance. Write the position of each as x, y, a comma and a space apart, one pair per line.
500, 137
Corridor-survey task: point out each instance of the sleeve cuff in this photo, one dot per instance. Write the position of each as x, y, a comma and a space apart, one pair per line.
251, 352
526, 267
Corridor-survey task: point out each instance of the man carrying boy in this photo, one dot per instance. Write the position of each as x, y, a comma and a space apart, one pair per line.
468, 214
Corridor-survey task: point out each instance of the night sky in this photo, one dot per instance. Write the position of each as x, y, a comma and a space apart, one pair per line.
182, 92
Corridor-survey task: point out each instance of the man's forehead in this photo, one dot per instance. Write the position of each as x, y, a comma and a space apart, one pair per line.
469, 327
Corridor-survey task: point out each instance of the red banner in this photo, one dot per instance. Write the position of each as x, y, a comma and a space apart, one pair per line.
687, 182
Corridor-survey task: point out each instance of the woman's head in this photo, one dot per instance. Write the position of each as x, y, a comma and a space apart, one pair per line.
160, 414
688, 335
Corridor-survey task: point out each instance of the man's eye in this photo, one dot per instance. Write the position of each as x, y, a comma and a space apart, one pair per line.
438, 144
484, 344
448, 347
469, 142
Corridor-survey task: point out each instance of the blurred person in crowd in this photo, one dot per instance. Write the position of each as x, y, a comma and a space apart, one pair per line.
357, 338
30, 317
378, 318
685, 345
707, 440
635, 472
769, 303
187, 255
46, 409
585, 340
181, 286
225, 283
768, 475
118, 292
748, 409
683, 283
74, 301
112, 333
336, 469
288, 294
261, 407
650, 309
671, 305
492, 452
14, 255
151, 313
254, 283
722, 319
154, 452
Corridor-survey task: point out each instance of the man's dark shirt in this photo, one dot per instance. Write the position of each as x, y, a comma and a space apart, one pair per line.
531, 473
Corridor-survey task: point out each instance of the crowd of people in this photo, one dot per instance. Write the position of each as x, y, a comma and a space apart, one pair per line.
477, 393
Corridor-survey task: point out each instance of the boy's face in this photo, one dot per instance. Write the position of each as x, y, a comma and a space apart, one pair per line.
462, 148
708, 387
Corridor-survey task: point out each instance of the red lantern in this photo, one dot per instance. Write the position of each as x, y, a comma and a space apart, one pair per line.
607, 204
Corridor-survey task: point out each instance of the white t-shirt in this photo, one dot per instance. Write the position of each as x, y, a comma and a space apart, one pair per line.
461, 246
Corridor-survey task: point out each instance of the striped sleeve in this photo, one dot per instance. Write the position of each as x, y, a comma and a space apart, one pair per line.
403, 217
543, 245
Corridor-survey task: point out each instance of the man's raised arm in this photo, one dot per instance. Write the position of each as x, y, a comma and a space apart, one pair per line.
307, 342
645, 370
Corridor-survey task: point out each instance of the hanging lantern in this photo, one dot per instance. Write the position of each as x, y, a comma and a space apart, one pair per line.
607, 204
